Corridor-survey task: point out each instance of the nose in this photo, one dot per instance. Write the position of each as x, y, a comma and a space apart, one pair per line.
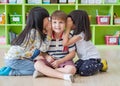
57, 24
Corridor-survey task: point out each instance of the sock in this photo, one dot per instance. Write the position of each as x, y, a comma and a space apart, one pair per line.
35, 54
37, 74
69, 77
2, 69
5, 72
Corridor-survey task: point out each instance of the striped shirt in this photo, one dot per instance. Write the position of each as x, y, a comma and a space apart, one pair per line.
56, 49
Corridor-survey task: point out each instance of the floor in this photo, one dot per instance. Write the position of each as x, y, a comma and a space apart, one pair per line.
109, 78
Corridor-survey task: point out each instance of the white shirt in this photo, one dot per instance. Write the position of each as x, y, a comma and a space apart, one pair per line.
86, 49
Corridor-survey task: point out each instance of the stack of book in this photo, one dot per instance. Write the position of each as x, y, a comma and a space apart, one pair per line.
12, 36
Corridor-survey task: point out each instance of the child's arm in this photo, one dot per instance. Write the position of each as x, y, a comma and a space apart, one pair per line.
74, 39
67, 31
49, 58
68, 57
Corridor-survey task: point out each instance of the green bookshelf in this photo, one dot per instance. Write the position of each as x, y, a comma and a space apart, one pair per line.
98, 31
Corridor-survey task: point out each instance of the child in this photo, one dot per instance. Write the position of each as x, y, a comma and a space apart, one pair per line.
58, 63
89, 61
32, 40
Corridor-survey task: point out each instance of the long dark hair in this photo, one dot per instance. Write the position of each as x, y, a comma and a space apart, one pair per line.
82, 24
34, 21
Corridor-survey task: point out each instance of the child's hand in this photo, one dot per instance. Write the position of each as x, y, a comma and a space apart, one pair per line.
69, 23
56, 63
50, 59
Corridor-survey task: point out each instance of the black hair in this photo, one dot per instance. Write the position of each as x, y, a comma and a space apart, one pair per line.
81, 21
34, 21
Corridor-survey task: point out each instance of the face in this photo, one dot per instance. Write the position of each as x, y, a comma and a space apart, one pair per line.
45, 24
58, 25
70, 23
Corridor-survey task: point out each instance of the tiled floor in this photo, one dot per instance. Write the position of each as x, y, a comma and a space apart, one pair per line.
109, 78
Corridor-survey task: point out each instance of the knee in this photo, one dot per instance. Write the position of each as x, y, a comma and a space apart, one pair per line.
71, 70
37, 65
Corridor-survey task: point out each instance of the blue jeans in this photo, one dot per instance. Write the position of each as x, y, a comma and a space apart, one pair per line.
20, 67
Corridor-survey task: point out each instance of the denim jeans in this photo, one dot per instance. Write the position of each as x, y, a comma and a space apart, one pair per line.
20, 67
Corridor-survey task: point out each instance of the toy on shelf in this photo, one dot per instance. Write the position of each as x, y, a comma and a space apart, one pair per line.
3, 1
71, 1
33, 1
15, 18
116, 19
91, 1
110, 1
15, 1
53, 1
117, 34
2, 40
12, 1
46, 2
63, 1
2, 18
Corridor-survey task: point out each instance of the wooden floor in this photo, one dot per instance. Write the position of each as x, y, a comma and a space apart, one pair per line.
109, 78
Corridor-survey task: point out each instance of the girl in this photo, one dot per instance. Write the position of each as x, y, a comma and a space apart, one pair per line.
32, 40
58, 63
89, 59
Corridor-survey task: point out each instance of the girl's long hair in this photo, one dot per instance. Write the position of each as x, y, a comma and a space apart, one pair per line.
82, 24
34, 21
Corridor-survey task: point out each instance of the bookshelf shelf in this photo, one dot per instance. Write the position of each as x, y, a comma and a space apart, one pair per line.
98, 31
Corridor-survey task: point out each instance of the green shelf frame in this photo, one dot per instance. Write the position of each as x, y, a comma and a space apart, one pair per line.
98, 31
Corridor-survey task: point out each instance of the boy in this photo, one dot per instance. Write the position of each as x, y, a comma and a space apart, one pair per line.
58, 61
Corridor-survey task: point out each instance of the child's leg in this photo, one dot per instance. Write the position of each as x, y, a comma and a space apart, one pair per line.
37, 74
21, 72
20, 67
19, 64
67, 67
48, 71
89, 67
